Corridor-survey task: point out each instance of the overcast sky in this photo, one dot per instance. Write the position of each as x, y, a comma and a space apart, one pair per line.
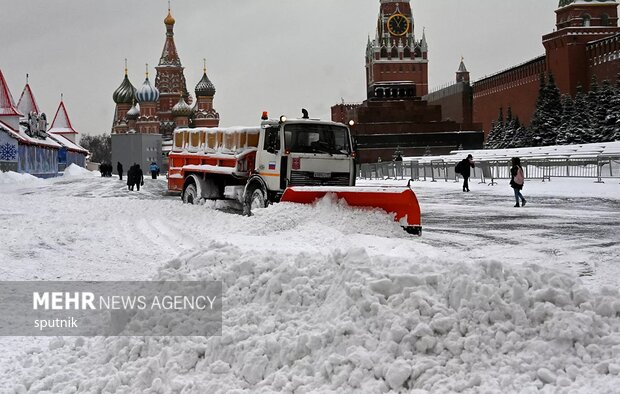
275, 55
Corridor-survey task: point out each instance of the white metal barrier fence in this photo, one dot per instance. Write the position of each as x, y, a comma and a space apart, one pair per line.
599, 168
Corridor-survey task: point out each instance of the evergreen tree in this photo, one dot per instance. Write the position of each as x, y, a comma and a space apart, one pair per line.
496, 132
579, 127
608, 112
522, 137
568, 111
548, 112
510, 129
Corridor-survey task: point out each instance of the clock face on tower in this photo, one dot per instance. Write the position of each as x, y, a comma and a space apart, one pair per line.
398, 24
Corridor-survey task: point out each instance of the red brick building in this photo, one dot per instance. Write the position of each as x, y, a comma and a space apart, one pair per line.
394, 116
585, 44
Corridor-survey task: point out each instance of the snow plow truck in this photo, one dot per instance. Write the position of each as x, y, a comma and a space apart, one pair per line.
294, 160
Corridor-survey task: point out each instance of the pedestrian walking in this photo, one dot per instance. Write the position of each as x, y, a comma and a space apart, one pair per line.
131, 176
464, 168
119, 169
139, 177
517, 180
154, 168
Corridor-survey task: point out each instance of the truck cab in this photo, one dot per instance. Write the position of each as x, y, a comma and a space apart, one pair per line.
303, 152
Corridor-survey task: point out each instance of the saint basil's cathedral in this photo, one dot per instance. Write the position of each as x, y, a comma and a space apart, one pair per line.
145, 118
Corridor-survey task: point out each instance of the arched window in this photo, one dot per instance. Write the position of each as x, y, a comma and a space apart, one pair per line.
394, 53
604, 20
586, 19
407, 53
384, 52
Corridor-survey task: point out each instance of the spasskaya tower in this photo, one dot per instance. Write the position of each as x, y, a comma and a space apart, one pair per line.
396, 63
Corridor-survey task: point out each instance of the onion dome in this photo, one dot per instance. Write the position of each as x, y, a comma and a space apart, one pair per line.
181, 108
169, 19
147, 92
133, 113
125, 93
205, 87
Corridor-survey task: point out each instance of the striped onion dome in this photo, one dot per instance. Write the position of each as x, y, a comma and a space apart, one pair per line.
125, 93
205, 87
133, 113
181, 108
147, 92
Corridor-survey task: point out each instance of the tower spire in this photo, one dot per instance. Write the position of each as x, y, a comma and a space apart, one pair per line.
147, 71
125, 66
205, 65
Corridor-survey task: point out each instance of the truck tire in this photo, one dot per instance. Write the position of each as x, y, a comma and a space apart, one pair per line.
255, 198
190, 194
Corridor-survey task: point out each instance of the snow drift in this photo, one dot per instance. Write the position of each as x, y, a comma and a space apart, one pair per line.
346, 322
76, 171
11, 178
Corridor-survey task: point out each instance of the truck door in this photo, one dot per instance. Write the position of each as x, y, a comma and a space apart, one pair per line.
269, 157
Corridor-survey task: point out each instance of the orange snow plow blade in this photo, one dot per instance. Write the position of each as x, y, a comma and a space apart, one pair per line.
400, 201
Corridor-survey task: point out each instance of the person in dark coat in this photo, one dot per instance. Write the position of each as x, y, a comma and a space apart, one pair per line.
119, 169
131, 176
517, 180
139, 177
464, 168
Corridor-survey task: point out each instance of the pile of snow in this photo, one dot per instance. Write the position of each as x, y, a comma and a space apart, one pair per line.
76, 171
345, 321
11, 178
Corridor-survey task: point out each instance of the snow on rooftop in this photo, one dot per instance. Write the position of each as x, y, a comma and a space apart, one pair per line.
62, 140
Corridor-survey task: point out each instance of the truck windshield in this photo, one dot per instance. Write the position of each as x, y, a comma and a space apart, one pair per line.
317, 138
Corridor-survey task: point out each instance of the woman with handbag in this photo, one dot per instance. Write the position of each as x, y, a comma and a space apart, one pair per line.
517, 180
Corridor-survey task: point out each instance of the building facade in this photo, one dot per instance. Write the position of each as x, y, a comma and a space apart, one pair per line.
26, 143
395, 116
158, 109
584, 45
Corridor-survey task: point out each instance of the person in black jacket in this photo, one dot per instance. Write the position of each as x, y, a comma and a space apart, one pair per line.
517, 180
119, 169
139, 177
464, 168
131, 175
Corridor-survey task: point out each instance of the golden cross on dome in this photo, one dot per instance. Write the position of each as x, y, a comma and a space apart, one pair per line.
125, 66
147, 70
205, 65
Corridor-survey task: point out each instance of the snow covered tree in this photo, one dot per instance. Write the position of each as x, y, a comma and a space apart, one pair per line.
608, 112
568, 111
522, 135
510, 129
579, 128
548, 113
496, 132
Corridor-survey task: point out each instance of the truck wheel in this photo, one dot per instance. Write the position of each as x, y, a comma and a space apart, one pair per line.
190, 194
254, 199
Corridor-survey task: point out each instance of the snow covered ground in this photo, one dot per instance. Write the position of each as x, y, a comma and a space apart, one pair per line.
327, 299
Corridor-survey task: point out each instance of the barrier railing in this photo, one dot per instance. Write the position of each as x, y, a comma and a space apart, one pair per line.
600, 168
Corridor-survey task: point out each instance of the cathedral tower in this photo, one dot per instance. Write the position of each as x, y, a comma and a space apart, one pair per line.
170, 80
396, 63
205, 115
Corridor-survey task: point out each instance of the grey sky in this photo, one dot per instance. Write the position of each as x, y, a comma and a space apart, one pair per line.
275, 55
